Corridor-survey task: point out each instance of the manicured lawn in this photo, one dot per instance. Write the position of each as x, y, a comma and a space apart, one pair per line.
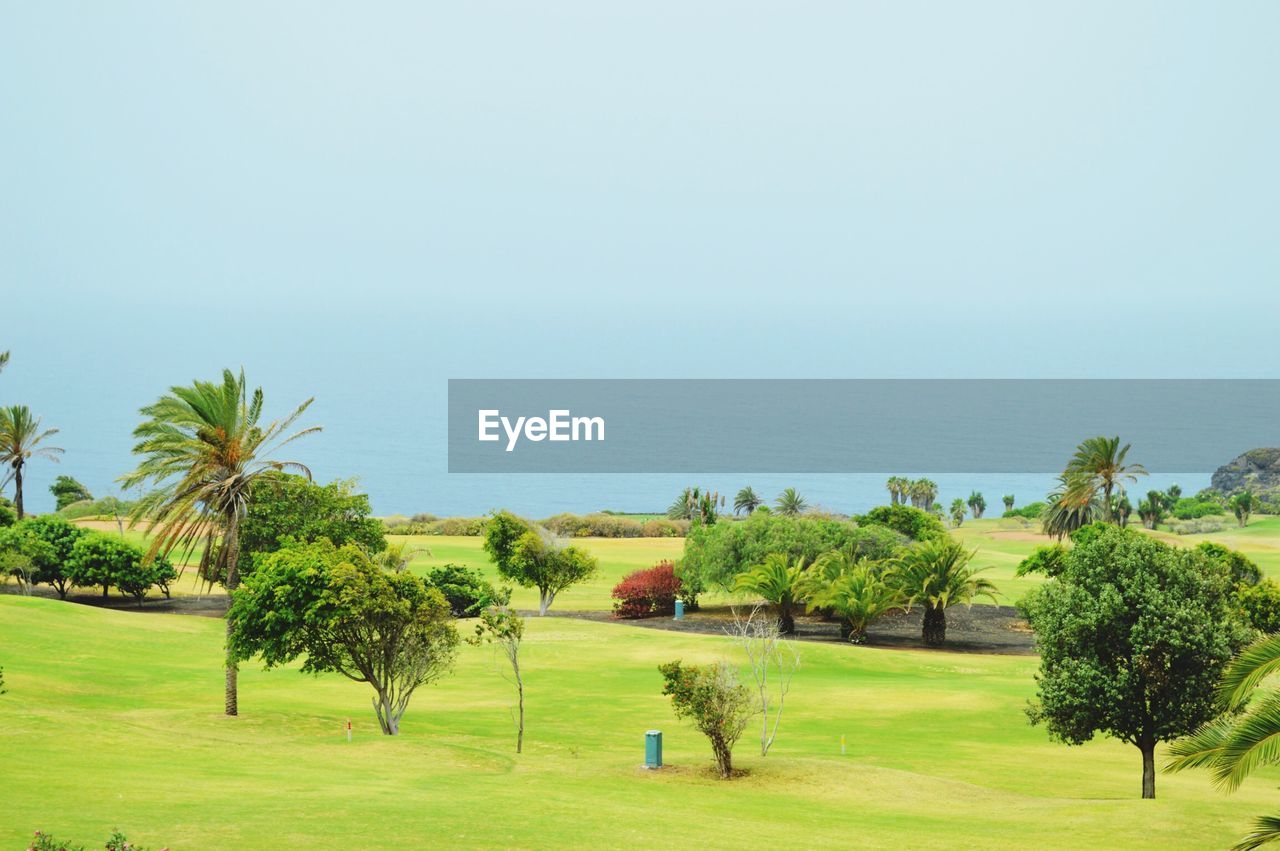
113, 719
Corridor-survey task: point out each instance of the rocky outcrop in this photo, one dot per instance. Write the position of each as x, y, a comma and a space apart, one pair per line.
1257, 470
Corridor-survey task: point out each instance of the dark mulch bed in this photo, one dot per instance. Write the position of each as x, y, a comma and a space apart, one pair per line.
213, 605
980, 629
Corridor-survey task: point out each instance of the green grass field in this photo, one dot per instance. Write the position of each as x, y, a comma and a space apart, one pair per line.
113, 720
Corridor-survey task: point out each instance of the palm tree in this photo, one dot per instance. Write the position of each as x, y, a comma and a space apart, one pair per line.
20, 439
977, 504
923, 492
936, 574
777, 580
1008, 501
898, 488
1244, 737
1242, 507
859, 595
4, 360
957, 511
1099, 464
1123, 508
1072, 505
790, 503
1171, 497
747, 501
205, 450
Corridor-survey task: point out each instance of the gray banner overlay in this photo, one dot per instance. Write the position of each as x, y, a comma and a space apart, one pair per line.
851, 425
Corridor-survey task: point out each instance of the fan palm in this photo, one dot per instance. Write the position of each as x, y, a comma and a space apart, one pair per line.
778, 580
898, 488
923, 492
790, 503
20, 441
747, 501
936, 574
1008, 501
204, 449
957, 511
1245, 736
1099, 464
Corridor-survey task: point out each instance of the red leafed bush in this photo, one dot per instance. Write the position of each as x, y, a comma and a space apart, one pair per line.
647, 592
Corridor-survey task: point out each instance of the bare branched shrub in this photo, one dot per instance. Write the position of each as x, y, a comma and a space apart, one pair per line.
774, 659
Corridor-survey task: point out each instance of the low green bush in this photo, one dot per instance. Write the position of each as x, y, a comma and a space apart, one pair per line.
1194, 509
1030, 511
915, 524
464, 588
1260, 605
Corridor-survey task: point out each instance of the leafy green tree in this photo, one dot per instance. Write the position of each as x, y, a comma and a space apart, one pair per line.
719, 705
1260, 605
747, 501
501, 532
1098, 467
347, 615
1132, 635
957, 511
776, 580
935, 574
790, 503
464, 589
288, 507
1008, 501
977, 504
8, 515
906, 520
98, 560
1243, 737
46, 542
1241, 570
205, 450
22, 439
501, 626
715, 555
1242, 507
538, 562
67, 490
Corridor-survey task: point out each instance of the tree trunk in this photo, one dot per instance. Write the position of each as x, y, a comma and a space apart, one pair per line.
786, 620
724, 759
520, 722
231, 547
544, 601
935, 626
846, 629
17, 488
105, 589
1148, 749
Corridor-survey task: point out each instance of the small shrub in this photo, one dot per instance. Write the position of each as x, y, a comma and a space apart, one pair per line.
115, 842
915, 524
1202, 526
1194, 509
1260, 605
717, 702
644, 593
1030, 511
464, 588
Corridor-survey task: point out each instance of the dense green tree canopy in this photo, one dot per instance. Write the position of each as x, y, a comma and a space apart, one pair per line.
46, 541
290, 507
715, 555
340, 612
67, 490
1132, 635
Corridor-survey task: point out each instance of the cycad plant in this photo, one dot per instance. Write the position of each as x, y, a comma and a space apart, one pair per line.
790, 503
204, 448
858, 596
778, 580
935, 574
1247, 734
22, 439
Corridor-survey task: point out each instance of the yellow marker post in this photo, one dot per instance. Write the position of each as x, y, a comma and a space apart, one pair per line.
842, 744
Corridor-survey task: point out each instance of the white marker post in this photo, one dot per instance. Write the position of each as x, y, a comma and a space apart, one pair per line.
348, 730
842, 744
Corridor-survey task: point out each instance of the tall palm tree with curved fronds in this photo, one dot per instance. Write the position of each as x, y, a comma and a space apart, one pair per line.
936, 574
790, 503
21, 440
1099, 464
1247, 734
747, 501
1073, 504
204, 448
778, 580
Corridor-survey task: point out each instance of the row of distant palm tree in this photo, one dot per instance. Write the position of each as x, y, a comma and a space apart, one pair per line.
22, 438
920, 492
933, 574
703, 505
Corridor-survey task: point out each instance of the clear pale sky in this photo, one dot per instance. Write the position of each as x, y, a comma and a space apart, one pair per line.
359, 201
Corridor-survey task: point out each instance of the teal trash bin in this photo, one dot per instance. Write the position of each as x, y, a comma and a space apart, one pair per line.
679, 610
653, 749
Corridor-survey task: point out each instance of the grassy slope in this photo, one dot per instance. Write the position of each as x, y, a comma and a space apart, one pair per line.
112, 719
